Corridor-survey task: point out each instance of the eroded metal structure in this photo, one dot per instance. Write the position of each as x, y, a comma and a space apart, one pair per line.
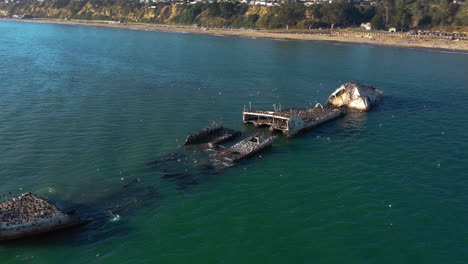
243, 149
213, 134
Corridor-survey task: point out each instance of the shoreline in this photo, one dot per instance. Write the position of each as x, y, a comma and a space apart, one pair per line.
430, 44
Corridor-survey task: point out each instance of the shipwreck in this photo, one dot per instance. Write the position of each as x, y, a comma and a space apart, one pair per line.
28, 214
212, 135
291, 121
356, 96
243, 149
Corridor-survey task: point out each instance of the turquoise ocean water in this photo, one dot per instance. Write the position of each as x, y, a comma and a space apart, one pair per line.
85, 109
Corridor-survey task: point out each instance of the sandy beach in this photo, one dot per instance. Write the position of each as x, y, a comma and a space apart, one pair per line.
351, 37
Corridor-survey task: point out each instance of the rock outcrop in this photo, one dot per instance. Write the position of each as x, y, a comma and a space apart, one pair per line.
355, 95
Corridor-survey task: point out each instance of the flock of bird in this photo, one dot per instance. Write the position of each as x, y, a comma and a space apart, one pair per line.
25, 208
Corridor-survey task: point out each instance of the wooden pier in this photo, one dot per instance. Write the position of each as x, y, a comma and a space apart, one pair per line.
291, 121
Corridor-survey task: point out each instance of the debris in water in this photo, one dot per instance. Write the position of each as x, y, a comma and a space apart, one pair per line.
115, 217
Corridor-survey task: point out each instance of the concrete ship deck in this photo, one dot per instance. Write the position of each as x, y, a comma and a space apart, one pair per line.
291, 121
243, 149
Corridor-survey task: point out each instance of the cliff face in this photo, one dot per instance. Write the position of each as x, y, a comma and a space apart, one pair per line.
288, 15
210, 15
78, 10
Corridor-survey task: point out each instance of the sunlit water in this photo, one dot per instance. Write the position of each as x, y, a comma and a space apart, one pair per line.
85, 109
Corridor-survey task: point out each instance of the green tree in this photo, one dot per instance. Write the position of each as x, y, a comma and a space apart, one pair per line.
336, 12
251, 20
388, 9
377, 22
290, 14
461, 18
367, 13
402, 19
444, 13
314, 15
314, 11
189, 14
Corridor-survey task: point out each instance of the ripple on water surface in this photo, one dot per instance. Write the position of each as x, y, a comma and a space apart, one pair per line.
86, 109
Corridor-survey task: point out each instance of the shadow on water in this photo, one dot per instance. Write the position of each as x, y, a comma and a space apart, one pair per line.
188, 167
185, 168
351, 125
396, 104
167, 160
355, 122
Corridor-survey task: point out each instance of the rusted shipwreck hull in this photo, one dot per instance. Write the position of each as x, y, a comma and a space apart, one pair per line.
28, 215
292, 121
214, 134
243, 149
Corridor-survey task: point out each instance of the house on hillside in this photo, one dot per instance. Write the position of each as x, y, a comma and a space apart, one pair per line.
264, 3
366, 26
312, 2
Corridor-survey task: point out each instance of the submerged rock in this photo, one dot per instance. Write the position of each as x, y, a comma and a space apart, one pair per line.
355, 95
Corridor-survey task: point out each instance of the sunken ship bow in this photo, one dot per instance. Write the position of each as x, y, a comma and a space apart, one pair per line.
28, 215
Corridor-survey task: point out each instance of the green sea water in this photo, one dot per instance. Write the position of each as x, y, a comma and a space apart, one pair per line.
84, 110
